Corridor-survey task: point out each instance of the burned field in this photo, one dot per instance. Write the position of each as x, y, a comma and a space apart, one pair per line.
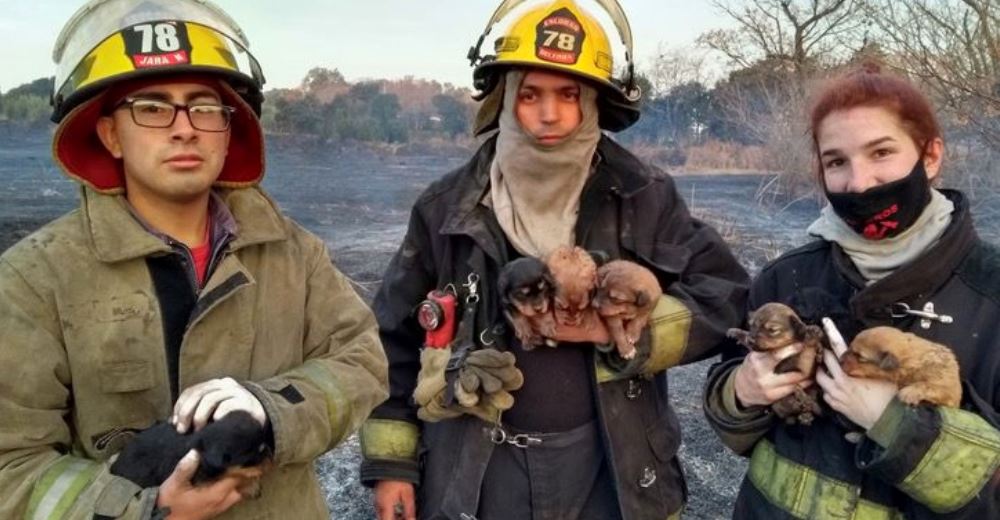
359, 201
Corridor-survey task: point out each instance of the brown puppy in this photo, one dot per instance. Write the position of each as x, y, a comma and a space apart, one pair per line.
626, 294
526, 290
925, 372
575, 275
775, 326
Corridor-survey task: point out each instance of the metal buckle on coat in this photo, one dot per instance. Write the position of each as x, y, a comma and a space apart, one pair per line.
499, 436
634, 389
472, 284
927, 315
648, 477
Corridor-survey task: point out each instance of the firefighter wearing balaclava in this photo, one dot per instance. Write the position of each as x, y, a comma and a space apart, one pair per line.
573, 431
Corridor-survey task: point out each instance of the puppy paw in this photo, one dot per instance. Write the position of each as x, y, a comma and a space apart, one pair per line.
853, 437
911, 395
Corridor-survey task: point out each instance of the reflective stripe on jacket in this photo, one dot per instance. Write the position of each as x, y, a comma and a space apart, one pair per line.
82, 346
916, 462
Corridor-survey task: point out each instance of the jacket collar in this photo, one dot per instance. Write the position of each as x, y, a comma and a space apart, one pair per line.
117, 236
618, 172
922, 277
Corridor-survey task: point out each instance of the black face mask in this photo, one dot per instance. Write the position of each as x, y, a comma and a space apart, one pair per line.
887, 210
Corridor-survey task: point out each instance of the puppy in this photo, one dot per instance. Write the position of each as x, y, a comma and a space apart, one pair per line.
773, 327
925, 372
626, 294
575, 275
526, 290
236, 443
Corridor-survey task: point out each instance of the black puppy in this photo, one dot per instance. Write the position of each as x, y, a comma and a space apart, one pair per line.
235, 441
526, 288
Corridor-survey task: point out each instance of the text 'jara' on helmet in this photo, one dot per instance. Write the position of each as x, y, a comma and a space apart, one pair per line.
108, 43
561, 36
112, 40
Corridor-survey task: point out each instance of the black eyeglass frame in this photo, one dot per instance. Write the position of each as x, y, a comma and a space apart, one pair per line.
130, 102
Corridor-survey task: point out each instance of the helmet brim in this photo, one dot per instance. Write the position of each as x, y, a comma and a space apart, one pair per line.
615, 112
78, 150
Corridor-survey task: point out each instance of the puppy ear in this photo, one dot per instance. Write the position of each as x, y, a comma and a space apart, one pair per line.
549, 279
798, 326
641, 299
600, 257
602, 279
888, 362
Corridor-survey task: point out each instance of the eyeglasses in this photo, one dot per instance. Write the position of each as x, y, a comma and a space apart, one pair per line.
151, 113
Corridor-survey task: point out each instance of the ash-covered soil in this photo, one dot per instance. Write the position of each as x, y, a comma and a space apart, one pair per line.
359, 202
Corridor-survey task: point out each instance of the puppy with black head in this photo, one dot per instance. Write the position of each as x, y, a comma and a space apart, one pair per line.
234, 443
526, 290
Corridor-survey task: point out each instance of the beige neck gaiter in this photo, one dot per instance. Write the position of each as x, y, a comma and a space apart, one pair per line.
876, 259
534, 189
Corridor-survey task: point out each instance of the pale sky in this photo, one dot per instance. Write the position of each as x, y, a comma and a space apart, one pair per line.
362, 38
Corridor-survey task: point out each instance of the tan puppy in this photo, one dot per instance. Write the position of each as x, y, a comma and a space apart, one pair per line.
626, 295
773, 327
575, 275
926, 372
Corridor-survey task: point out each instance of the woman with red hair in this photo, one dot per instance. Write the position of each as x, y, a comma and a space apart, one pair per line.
890, 249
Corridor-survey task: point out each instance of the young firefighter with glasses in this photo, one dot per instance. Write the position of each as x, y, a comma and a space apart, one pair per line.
177, 291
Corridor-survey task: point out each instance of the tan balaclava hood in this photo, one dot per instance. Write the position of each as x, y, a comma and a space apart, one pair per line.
535, 189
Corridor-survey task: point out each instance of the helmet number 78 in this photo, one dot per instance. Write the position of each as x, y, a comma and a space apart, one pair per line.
561, 40
165, 36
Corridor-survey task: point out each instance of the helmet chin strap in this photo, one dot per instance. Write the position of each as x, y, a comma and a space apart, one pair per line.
618, 17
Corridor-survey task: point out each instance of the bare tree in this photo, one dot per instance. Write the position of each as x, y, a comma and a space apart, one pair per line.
766, 105
675, 66
777, 48
803, 33
953, 48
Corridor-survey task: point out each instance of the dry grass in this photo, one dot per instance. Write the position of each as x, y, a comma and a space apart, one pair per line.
723, 156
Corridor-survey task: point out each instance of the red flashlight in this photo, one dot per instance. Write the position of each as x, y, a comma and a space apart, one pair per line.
436, 315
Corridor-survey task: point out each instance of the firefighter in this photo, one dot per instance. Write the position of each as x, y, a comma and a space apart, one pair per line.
176, 291
573, 431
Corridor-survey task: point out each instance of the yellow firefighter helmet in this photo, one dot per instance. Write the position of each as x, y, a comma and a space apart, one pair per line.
108, 41
113, 44
561, 36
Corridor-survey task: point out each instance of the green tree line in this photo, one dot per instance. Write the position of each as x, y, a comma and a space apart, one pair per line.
329, 107
325, 106
28, 102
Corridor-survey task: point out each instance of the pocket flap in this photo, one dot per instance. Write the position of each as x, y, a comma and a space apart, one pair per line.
663, 443
126, 376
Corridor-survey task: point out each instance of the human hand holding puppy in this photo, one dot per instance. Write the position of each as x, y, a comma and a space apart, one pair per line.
758, 384
792, 347
196, 407
549, 301
568, 298
212, 400
187, 501
861, 400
